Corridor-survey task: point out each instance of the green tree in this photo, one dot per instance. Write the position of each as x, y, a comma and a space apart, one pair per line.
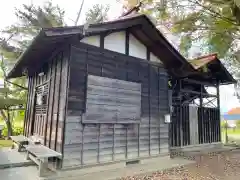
212, 24
13, 41
223, 124
97, 14
238, 123
8, 99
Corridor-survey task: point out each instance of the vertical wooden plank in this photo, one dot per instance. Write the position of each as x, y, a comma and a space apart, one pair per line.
180, 115
60, 62
126, 126
35, 116
30, 106
149, 111
56, 100
51, 112
199, 126
159, 125
126, 141
183, 126
102, 36
50, 100
32, 114
113, 147
127, 42
210, 124
67, 56
26, 110
218, 115
82, 145
215, 125
201, 116
98, 148
188, 127
139, 79
48, 78
212, 127
205, 125
172, 127
26, 114
176, 125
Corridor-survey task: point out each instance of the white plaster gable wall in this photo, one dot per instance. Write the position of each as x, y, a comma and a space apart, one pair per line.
91, 40
154, 58
136, 48
115, 42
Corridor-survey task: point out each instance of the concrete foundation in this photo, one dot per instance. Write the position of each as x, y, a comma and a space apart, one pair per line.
118, 170
10, 158
199, 147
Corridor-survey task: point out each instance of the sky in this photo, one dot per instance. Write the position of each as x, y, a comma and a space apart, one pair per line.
71, 7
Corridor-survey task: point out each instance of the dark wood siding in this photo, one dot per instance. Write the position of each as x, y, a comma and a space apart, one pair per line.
112, 101
55, 75
91, 143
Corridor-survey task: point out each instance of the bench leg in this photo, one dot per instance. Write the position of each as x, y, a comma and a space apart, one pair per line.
19, 147
28, 158
13, 145
43, 167
59, 164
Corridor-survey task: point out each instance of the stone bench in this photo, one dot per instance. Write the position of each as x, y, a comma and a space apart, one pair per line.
19, 141
40, 155
35, 140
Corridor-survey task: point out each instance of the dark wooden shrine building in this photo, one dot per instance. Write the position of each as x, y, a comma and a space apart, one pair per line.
100, 94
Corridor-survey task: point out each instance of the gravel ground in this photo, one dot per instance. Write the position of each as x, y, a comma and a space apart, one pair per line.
225, 166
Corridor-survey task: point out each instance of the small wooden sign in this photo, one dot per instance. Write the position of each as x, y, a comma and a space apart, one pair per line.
167, 118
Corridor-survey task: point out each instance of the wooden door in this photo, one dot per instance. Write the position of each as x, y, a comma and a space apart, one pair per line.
40, 115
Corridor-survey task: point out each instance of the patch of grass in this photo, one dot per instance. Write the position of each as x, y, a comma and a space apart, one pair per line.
5, 143
231, 131
17, 123
233, 136
234, 132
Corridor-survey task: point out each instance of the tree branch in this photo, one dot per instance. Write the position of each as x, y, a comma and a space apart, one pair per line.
214, 13
3, 115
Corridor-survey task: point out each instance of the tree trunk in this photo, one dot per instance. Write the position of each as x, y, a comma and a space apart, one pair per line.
7, 121
9, 127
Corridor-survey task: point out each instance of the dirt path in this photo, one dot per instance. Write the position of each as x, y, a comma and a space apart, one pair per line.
225, 166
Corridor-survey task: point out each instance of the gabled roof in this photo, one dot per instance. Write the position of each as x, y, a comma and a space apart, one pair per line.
215, 69
199, 62
50, 39
139, 25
